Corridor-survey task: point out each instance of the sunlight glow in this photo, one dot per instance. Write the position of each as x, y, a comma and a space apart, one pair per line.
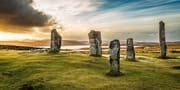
12, 36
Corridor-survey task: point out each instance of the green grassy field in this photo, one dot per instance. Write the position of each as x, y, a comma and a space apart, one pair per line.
74, 71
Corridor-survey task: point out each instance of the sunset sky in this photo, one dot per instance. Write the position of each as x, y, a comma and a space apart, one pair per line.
33, 20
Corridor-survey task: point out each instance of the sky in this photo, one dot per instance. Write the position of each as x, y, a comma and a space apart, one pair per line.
116, 19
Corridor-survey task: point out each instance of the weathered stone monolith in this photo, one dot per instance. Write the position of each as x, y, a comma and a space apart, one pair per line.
162, 39
130, 49
95, 43
114, 58
55, 41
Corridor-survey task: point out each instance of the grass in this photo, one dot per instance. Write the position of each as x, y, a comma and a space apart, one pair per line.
76, 71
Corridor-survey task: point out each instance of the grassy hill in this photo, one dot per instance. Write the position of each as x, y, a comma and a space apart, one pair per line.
74, 71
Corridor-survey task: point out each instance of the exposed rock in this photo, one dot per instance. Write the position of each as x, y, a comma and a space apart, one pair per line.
130, 49
95, 43
55, 41
114, 58
38, 50
162, 39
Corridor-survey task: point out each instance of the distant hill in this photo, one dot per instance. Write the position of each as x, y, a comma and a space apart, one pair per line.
123, 43
32, 44
156, 43
14, 47
36, 43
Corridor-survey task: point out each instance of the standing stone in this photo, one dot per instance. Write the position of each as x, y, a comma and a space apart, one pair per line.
130, 49
95, 43
114, 58
55, 41
162, 39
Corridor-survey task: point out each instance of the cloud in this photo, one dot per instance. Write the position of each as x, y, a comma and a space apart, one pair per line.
119, 21
72, 7
21, 12
115, 18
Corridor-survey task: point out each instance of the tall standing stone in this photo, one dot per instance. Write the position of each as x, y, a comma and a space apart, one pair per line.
114, 58
95, 43
130, 49
55, 41
162, 39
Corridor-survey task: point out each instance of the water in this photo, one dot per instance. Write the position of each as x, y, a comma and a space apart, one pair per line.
73, 47
79, 47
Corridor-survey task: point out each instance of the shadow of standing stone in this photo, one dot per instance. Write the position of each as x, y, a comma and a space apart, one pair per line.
55, 41
176, 67
95, 43
8, 73
33, 85
114, 58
